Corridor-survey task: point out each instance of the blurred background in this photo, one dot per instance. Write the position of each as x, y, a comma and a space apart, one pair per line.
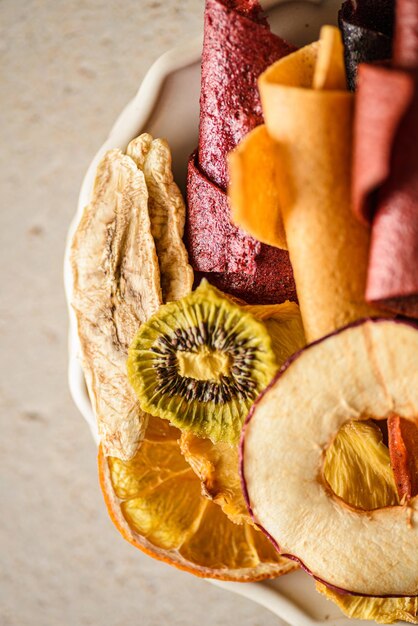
67, 69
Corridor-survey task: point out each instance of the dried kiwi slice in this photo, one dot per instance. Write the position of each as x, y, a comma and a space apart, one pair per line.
200, 362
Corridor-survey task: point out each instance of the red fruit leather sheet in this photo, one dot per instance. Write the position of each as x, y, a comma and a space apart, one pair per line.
406, 36
272, 282
218, 246
236, 50
238, 47
385, 174
231, 260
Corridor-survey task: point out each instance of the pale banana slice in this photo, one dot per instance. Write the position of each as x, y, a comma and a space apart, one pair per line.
116, 288
167, 214
138, 149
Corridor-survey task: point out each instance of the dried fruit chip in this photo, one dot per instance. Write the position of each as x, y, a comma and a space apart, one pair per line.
284, 325
167, 213
382, 610
155, 501
217, 464
131, 230
367, 369
200, 362
116, 287
363, 440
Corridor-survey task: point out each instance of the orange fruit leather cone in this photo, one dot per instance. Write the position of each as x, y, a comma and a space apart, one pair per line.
309, 115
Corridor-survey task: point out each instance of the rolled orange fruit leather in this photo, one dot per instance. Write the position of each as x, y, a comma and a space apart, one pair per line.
308, 114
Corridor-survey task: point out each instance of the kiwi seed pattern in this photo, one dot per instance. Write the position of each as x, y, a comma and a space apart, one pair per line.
200, 362
238, 384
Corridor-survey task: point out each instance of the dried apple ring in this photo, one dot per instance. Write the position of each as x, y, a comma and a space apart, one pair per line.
366, 371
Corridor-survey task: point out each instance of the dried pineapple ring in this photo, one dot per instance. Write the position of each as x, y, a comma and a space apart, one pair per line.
357, 467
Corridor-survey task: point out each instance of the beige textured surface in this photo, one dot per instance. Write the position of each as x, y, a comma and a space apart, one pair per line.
67, 68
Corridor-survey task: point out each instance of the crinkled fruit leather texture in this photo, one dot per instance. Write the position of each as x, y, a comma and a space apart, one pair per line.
236, 50
367, 30
247, 8
238, 47
261, 288
217, 245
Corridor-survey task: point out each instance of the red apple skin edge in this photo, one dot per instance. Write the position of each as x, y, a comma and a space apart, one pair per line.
292, 557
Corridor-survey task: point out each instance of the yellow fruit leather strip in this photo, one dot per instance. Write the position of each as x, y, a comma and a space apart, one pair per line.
311, 132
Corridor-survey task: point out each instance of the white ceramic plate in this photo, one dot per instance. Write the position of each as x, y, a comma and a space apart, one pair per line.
167, 105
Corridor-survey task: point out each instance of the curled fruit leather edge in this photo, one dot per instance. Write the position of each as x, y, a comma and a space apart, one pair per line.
238, 46
367, 31
385, 171
403, 448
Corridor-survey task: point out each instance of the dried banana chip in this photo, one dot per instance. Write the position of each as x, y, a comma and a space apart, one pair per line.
167, 213
116, 288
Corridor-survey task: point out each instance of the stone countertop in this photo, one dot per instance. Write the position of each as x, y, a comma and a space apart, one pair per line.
68, 68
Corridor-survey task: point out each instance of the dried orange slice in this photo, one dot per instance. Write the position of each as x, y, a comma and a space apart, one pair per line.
216, 465
155, 501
